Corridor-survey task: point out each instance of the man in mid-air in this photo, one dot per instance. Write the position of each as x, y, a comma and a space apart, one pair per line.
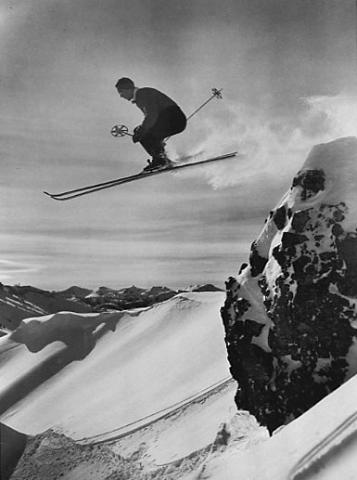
162, 118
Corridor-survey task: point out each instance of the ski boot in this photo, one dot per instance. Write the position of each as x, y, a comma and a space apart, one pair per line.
158, 163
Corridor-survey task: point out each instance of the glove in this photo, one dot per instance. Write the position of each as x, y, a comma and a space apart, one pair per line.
137, 134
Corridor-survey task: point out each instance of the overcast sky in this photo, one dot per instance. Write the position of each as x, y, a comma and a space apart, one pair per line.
288, 73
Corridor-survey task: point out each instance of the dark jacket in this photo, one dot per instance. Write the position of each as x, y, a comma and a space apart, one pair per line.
152, 102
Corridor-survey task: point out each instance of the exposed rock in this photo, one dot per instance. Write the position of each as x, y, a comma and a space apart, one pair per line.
291, 315
13, 444
53, 455
132, 297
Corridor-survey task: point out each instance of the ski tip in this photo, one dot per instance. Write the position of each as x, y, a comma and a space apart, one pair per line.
51, 195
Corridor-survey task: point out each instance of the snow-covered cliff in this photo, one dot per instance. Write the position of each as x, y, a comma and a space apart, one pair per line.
291, 315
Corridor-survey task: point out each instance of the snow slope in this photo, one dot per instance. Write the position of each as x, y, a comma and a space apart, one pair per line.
156, 360
155, 438
319, 445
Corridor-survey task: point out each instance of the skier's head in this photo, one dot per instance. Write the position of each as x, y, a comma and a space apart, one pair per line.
125, 87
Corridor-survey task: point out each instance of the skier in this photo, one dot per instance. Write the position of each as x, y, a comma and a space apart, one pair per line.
162, 118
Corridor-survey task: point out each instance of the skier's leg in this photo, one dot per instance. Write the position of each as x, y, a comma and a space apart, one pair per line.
152, 144
170, 122
155, 148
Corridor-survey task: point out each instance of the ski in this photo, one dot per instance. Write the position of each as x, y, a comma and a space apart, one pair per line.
78, 192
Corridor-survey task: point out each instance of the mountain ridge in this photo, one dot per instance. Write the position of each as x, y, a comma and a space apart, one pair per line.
20, 302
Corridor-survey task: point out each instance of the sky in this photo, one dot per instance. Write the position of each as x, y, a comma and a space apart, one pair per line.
288, 74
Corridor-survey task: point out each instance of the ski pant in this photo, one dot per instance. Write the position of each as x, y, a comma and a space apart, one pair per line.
170, 122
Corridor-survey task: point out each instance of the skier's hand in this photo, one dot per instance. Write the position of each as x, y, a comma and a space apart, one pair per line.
137, 134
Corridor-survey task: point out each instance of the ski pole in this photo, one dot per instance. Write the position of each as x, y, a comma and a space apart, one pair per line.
215, 94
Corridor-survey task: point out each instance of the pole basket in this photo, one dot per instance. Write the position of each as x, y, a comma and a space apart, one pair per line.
119, 131
217, 93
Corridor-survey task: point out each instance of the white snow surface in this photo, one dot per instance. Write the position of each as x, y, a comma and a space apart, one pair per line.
183, 431
156, 360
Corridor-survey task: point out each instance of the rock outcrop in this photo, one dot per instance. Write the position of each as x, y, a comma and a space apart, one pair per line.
290, 317
13, 444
